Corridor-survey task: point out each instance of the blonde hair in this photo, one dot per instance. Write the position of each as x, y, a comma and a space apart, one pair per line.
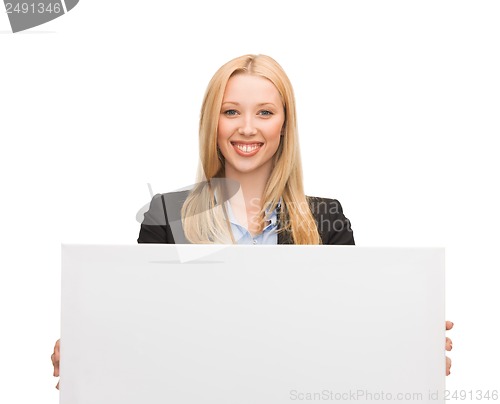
204, 220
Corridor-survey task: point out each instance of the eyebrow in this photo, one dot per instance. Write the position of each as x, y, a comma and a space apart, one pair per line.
259, 105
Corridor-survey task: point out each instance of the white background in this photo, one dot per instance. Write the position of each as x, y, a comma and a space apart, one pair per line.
398, 107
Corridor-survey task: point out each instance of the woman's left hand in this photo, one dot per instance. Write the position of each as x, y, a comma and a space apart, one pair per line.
448, 347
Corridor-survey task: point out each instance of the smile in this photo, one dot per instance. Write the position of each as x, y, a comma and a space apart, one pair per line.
247, 150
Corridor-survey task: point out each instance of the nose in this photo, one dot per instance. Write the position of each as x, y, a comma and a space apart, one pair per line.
247, 127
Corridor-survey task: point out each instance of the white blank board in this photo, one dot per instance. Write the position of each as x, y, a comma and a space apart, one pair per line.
251, 324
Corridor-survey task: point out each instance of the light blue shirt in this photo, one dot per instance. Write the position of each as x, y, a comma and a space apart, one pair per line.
242, 236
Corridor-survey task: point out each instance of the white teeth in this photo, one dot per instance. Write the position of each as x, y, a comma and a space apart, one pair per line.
247, 148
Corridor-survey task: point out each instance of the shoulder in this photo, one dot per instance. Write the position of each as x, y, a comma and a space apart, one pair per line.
165, 207
333, 226
161, 222
173, 202
323, 206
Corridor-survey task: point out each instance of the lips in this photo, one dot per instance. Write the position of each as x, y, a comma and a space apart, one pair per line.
247, 149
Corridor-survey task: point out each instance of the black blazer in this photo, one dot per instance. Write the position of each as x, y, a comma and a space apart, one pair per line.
163, 220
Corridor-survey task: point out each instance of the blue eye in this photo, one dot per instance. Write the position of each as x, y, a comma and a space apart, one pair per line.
266, 113
230, 112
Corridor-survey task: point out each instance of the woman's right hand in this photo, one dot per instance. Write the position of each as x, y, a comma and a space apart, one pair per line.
55, 360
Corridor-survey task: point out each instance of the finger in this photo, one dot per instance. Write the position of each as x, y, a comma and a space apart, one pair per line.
55, 359
449, 325
55, 364
57, 351
449, 344
448, 366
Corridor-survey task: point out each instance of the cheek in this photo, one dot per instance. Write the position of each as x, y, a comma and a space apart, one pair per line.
274, 130
223, 131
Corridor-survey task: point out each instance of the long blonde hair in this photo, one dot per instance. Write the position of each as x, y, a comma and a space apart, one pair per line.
204, 220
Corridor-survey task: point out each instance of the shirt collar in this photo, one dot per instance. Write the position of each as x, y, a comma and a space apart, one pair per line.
271, 216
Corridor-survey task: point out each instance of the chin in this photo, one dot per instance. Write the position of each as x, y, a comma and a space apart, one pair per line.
244, 169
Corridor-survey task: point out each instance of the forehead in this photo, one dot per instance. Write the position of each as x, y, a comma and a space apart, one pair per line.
247, 87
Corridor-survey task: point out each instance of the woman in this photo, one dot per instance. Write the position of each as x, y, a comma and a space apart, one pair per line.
249, 155
250, 187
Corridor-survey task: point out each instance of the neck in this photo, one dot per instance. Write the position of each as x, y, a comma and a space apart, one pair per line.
252, 186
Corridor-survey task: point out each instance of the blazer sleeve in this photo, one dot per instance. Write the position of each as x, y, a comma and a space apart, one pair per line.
342, 233
333, 226
155, 227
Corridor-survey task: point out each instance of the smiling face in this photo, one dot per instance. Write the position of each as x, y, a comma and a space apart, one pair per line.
250, 123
